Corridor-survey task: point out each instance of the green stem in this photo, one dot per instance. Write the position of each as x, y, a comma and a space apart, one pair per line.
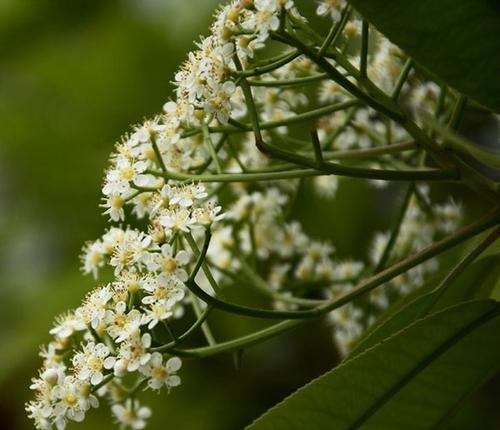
487, 221
199, 321
492, 218
211, 148
104, 381
240, 177
234, 153
259, 70
158, 153
370, 152
363, 63
195, 297
257, 282
301, 24
169, 330
203, 166
359, 172
288, 82
354, 154
396, 229
204, 325
204, 266
386, 106
253, 243
241, 342
335, 31
460, 267
457, 113
339, 130
333, 168
402, 79
318, 154
310, 168
378, 100
312, 114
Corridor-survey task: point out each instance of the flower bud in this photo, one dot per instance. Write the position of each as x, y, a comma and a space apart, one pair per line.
50, 376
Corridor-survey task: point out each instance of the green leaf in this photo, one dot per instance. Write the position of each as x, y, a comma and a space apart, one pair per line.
492, 251
457, 41
413, 311
477, 282
411, 381
484, 154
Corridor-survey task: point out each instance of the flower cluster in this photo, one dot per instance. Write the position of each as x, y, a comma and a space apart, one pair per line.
167, 179
419, 228
110, 336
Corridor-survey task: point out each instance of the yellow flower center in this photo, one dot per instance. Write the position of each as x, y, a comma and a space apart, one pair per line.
120, 320
127, 173
159, 373
70, 399
95, 363
161, 293
169, 264
96, 258
133, 287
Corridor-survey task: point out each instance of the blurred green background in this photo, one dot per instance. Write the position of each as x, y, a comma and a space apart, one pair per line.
73, 76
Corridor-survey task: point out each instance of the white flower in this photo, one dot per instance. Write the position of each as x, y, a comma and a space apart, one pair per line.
122, 174
160, 373
143, 204
331, 7
208, 214
331, 92
241, 209
131, 414
50, 376
163, 288
132, 249
293, 240
448, 216
169, 263
50, 354
130, 281
319, 250
40, 413
305, 269
347, 326
326, 185
347, 270
134, 353
90, 362
379, 297
93, 257
67, 324
72, 400
122, 325
220, 103
266, 18
94, 308
278, 275
378, 246
219, 250
325, 270
186, 195
177, 220
112, 238
158, 311
113, 203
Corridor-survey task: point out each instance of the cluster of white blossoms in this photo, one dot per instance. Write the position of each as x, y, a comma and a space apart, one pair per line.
420, 227
168, 175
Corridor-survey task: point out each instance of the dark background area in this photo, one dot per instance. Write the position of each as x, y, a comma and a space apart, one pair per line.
74, 75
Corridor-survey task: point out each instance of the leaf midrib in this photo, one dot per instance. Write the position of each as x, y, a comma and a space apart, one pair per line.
422, 365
